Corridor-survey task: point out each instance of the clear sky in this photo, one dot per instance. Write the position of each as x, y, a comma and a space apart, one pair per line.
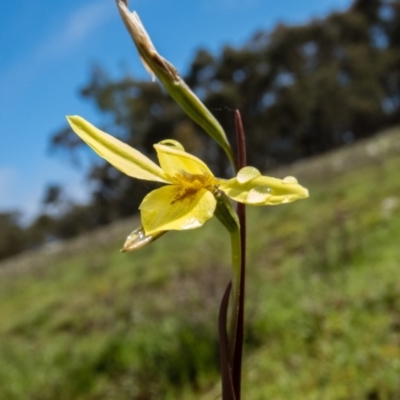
47, 49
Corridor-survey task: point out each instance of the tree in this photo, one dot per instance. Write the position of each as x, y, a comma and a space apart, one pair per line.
12, 238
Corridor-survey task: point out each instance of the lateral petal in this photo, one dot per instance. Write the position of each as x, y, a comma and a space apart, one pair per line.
119, 154
174, 160
165, 209
264, 190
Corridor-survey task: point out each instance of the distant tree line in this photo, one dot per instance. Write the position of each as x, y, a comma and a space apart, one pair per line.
302, 90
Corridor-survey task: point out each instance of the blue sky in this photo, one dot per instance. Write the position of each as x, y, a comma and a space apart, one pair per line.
47, 49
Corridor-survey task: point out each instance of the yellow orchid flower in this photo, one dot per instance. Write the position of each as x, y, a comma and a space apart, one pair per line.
188, 199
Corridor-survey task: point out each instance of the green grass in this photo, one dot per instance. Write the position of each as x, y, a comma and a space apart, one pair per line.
82, 321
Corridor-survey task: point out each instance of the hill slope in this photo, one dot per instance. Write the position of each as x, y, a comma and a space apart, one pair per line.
82, 321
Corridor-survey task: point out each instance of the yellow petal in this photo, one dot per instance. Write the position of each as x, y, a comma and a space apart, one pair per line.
264, 190
120, 155
172, 143
175, 161
165, 209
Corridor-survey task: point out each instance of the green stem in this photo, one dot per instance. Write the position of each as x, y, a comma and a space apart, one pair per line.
236, 285
227, 215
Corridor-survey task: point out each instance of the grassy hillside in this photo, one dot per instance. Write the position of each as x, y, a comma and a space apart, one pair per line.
81, 321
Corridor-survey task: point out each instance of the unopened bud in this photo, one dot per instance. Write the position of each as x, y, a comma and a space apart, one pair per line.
171, 80
138, 239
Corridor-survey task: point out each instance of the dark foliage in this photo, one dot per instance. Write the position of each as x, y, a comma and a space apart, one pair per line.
12, 237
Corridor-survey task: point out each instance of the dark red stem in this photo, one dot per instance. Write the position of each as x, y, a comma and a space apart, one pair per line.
241, 211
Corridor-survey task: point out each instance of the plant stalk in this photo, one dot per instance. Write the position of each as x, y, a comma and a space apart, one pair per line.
241, 211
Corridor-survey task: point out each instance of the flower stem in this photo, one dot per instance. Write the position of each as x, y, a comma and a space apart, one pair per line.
236, 284
231, 343
228, 217
241, 211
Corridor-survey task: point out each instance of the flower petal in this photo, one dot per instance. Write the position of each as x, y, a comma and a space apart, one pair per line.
264, 190
120, 155
175, 161
163, 209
